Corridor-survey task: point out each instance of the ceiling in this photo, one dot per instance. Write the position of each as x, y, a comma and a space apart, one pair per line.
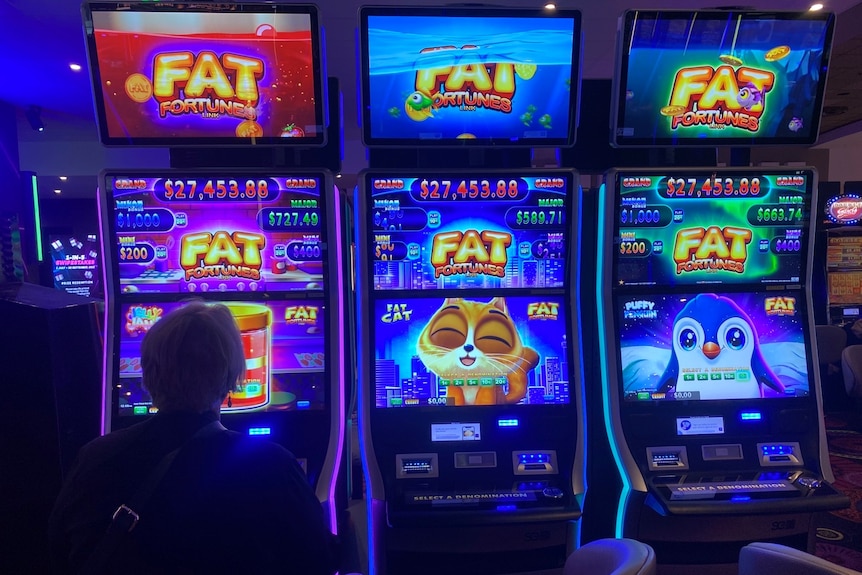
42, 37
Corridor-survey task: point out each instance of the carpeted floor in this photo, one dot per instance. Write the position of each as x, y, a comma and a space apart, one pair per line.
839, 533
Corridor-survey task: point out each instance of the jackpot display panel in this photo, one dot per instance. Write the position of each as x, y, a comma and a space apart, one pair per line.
470, 363
206, 74
469, 76
191, 234
676, 228
439, 231
720, 78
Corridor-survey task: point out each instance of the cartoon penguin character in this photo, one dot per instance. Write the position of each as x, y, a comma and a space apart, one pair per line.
716, 352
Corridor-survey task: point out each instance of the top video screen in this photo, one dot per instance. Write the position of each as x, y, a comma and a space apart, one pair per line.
469, 76
719, 78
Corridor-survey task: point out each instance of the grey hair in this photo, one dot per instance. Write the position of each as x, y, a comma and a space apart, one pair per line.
192, 358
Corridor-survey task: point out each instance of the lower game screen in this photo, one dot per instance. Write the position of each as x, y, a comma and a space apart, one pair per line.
712, 346
284, 346
477, 351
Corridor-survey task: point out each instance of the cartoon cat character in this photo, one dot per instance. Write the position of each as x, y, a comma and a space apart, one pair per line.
467, 339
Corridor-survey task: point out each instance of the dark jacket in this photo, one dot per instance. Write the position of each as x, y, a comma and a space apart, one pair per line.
228, 504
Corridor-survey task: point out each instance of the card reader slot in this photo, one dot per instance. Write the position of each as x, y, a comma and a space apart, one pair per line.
416, 465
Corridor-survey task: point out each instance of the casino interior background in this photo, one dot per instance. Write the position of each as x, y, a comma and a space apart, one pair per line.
42, 40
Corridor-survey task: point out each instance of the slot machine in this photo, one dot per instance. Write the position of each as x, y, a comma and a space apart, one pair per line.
231, 221
711, 385
470, 392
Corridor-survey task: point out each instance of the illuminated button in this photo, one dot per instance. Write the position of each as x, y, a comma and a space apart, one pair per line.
688, 377
473, 381
458, 382
140, 410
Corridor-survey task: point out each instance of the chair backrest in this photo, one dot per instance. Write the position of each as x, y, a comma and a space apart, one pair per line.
851, 365
612, 557
831, 341
762, 558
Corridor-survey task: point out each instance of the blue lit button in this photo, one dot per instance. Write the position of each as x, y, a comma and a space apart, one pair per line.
259, 431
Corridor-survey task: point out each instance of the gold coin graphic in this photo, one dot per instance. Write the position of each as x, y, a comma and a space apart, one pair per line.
731, 60
138, 88
672, 110
777, 53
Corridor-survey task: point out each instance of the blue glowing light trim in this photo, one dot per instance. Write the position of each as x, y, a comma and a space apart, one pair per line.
777, 449
603, 353
750, 416
507, 507
741, 498
508, 423
303, 404
260, 431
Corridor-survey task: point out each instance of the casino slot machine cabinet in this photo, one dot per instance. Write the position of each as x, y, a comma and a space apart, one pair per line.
711, 385
238, 92
260, 244
470, 388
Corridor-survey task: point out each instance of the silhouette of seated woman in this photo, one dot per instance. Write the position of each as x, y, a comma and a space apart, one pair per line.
227, 503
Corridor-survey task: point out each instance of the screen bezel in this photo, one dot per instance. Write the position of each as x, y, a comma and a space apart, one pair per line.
167, 8
715, 406
616, 175
618, 95
563, 293
463, 410
213, 298
469, 12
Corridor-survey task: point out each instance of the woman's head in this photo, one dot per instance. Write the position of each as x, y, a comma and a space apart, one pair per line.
192, 358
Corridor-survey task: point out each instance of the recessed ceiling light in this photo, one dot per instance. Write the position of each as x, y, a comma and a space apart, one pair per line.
58, 191
63, 178
337, 175
75, 67
550, 6
816, 7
